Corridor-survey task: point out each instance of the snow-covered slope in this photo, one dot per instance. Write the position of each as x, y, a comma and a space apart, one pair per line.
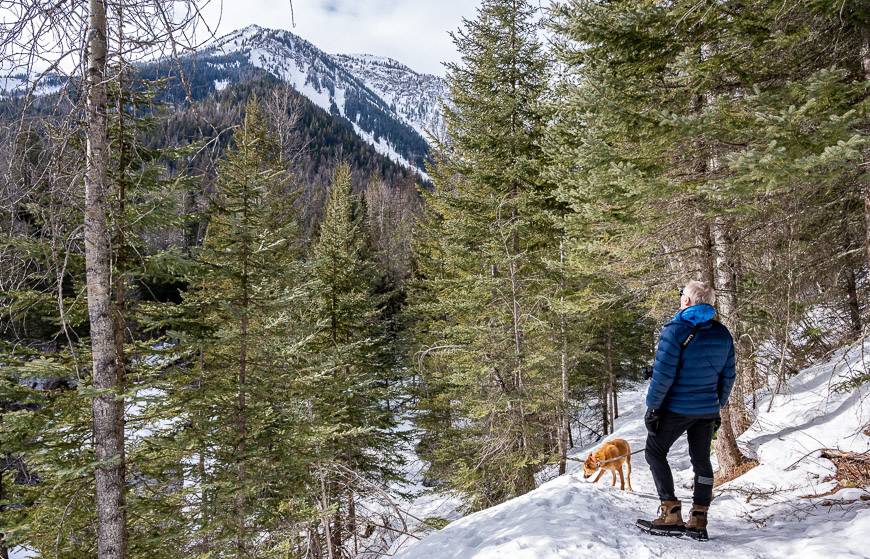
777, 510
19, 85
389, 105
413, 96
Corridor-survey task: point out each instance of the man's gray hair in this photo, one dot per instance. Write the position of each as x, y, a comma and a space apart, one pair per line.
699, 292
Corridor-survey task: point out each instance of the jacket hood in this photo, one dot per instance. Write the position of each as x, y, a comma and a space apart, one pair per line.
696, 314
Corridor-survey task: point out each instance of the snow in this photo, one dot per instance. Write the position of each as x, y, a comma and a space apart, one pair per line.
386, 149
16, 86
220, 85
380, 81
413, 501
416, 98
776, 510
21, 553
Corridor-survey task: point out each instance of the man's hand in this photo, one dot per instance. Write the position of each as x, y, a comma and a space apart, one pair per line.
651, 419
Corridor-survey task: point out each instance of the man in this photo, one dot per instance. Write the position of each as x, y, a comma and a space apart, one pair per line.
692, 378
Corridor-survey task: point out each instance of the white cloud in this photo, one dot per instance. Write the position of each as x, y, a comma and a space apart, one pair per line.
414, 32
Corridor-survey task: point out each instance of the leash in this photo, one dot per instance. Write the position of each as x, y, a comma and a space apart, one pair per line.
622, 456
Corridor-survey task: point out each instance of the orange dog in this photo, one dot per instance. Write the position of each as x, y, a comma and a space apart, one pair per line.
611, 457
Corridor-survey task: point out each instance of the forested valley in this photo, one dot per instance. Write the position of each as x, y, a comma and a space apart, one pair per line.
228, 324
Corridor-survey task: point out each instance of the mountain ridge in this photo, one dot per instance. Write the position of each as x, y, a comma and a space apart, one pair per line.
391, 106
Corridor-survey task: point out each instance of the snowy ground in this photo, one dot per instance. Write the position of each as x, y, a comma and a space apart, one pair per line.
416, 504
777, 510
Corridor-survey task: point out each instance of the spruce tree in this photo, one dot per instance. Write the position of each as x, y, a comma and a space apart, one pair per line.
488, 367
238, 415
682, 131
48, 456
351, 373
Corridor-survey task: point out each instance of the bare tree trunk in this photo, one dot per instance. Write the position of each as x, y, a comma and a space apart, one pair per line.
241, 418
740, 420
564, 421
337, 530
728, 453
865, 70
605, 409
204, 515
705, 254
852, 298
324, 507
351, 522
108, 405
119, 270
850, 279
4, 551
611, 377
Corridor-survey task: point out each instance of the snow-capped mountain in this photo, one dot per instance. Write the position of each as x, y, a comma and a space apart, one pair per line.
413, 96
388, 104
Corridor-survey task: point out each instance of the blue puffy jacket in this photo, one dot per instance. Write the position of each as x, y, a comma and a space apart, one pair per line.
705, 379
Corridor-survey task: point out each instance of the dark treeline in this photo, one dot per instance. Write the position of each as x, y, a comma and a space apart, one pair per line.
285, 302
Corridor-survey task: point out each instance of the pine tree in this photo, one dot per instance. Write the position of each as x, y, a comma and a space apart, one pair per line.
351, 372
46, 443
489, 369
682, 132
240, 423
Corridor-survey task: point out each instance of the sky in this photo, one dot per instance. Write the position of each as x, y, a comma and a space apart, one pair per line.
414, 32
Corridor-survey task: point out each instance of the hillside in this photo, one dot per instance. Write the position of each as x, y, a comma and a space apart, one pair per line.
789, 506
387, 104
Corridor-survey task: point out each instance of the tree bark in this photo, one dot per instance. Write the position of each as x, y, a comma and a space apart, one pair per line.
241, 418
865, 70
351, 522
564, 421
705, 254
727, 452
108, 405
4, 551
337, 530
324, 507
611, 378
849, 278
852, 298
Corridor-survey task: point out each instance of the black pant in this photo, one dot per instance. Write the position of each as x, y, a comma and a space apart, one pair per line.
699, 431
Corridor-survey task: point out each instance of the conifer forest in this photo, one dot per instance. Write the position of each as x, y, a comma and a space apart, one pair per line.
232, 328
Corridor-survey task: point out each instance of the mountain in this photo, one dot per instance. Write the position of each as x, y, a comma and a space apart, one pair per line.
389, 105
413, 96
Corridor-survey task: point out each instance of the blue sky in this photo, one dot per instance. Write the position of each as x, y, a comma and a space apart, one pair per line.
411, 31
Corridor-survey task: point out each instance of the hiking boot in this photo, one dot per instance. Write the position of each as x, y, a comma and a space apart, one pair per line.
669, 522
696, 528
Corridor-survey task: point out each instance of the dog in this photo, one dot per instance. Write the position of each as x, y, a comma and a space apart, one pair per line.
611, 456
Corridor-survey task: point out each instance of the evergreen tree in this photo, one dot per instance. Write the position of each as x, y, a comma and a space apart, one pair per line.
239, 418
48, 455
680, 133
488, 367
351, 372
